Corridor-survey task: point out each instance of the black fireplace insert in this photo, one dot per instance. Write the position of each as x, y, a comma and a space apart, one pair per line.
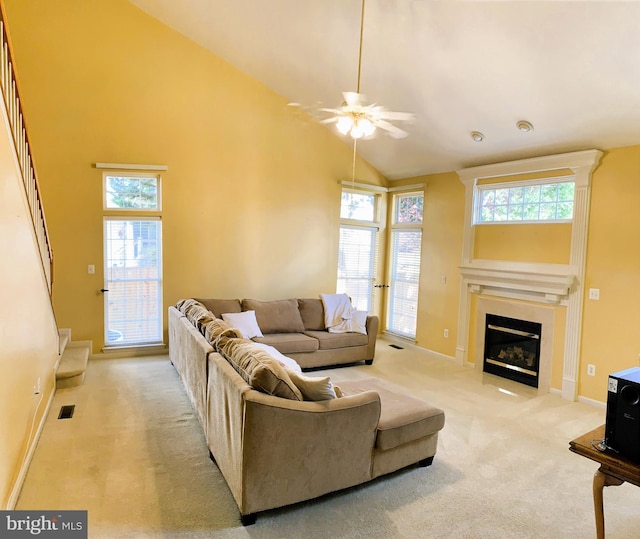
512, 349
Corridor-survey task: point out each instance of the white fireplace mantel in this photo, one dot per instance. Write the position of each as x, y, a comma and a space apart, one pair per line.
546, 283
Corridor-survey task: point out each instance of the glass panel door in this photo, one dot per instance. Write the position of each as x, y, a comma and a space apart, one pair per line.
356, 265
133, 281
402, 310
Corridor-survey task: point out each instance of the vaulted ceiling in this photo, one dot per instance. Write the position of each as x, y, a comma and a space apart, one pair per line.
570, 68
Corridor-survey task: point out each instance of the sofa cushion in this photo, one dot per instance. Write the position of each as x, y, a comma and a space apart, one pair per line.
258, 368
403, 419
281, 316
219, 306
183, 304
289, 343
198, 315
215, 328
312, 313
330, 341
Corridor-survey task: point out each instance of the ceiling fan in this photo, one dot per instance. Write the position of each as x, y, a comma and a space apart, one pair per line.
358, 118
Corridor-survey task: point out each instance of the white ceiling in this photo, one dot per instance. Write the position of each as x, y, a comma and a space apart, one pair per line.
571, 68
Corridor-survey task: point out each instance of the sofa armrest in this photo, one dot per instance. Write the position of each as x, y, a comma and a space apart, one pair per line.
188, 351
294, 451
372, 332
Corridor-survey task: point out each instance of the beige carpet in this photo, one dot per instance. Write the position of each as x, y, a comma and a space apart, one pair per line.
134, 457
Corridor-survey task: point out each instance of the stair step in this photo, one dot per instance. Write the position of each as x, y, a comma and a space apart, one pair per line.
73, 365
65, 338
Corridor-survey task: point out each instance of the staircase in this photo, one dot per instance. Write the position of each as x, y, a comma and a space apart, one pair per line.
73, 360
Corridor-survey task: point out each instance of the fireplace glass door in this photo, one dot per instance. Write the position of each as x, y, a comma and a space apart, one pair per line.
512, 349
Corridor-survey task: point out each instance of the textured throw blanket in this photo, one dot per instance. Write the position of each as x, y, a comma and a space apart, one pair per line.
340, 316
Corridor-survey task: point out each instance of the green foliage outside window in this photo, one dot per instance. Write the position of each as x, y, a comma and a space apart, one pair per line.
125, 192
526, 203
409, 208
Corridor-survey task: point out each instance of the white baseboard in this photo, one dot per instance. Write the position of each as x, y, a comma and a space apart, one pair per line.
407, 343
593, 402
131, 351
17, 487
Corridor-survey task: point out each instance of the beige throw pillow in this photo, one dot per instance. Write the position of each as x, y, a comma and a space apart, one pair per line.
313, 389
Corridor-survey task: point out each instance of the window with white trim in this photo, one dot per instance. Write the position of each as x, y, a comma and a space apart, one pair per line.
131, 192
358, 247
132, 260
530, 201
405, 255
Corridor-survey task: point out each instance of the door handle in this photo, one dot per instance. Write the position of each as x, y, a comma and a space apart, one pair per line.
103, 290
381, 286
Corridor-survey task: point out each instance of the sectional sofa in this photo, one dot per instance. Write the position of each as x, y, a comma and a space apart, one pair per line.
281, 437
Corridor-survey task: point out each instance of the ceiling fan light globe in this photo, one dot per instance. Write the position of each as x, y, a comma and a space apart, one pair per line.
344, 124
357, 131
367, 127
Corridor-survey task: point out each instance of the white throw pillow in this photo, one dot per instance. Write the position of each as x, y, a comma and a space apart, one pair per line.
359, 322
279, 356
245, 322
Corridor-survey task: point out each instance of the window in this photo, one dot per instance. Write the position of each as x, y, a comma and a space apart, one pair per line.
358, 206
406, 248
525, 202
133, 192
132, 260
357, 249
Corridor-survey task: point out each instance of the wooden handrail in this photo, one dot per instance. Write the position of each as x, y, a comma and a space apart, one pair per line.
13, 106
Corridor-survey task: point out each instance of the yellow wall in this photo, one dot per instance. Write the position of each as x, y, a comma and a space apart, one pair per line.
440, 256
251, 198
610, 325
28, 332
541, 243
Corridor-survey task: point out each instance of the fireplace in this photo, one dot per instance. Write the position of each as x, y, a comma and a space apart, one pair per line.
512, 349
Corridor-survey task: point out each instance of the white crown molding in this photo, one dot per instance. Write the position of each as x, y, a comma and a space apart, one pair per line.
573, 161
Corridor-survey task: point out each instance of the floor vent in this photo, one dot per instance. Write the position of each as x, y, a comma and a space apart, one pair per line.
397, 347
66, 412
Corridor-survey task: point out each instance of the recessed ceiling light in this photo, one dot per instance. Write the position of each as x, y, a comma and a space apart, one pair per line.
524, 126
477, 136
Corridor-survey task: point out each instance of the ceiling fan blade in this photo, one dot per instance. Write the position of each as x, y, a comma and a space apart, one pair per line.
332, 111
354, 99
402, 116
394, 131
332, 120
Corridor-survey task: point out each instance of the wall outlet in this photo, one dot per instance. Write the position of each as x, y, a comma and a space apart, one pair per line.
591, 369
443, 279
91, 269
594, 293
446, 333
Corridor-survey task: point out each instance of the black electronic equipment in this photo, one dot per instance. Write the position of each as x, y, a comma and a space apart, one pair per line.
622, 430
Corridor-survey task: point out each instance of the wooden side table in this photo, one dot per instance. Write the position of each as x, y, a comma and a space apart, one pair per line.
613, 471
